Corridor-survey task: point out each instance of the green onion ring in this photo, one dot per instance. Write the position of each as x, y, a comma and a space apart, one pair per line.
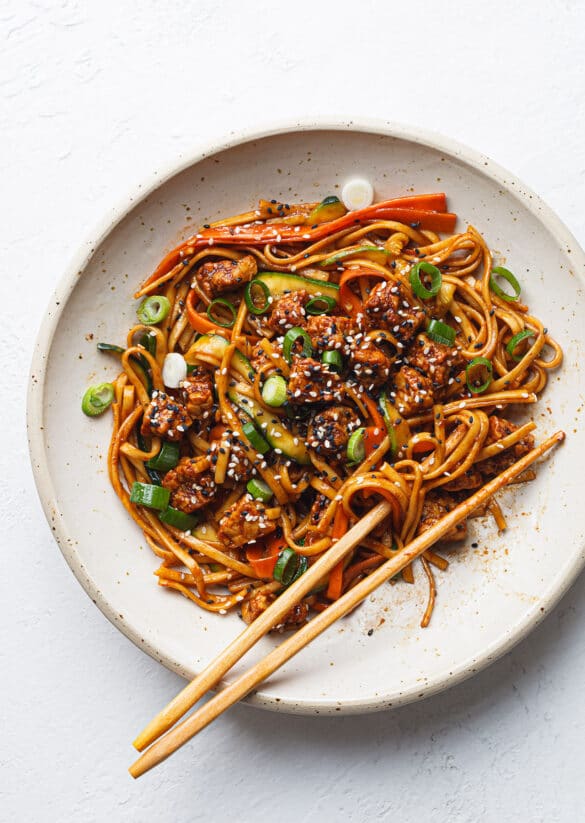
255, 438
291, 337
259, 490
518, 338
289, 566
441, 332
418, 286
153, 497
356, 448
249, 297
500, 271
97, 399
274, 391
180, 520
220, 301
153, 309
327, 303
476, 364
333, 359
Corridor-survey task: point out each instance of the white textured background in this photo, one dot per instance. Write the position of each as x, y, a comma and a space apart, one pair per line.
94, 97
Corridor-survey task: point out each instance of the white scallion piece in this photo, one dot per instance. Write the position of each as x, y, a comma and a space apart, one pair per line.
357, 194
174, 370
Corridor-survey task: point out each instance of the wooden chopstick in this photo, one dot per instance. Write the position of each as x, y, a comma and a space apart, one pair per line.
213, 673
174, 739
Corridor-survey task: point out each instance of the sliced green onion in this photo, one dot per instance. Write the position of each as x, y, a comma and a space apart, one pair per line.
274, 391
518, 338
441, 333
219, 321
110, 347
500, 271
153, 497
302, 567
259, 489
249, 297
153, 309
478, 366
289, 566
320, 305
97, 399
291, 338
356, 449
417, 284
256, 439
180, 520
333, 359
166, 459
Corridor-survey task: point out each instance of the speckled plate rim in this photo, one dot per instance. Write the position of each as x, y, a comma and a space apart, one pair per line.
35, 401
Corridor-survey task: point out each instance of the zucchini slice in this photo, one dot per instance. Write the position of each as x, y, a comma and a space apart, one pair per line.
279, 283
398, 428
377, 254
275, 433
328, 209
209, 348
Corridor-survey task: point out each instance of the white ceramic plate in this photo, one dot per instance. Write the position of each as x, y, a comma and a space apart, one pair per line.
491, 595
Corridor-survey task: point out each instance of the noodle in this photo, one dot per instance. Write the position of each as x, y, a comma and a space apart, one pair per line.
395, 353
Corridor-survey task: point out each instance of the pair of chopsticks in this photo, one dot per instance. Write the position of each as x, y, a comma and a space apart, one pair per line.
168, 743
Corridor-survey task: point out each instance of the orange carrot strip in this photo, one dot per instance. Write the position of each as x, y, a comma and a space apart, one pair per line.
263, 557
335, 585
426, 209
373, 437
350, 302
200, 322
374, 412
268, 232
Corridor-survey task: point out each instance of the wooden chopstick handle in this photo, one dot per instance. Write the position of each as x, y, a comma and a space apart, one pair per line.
164, 747
213, 673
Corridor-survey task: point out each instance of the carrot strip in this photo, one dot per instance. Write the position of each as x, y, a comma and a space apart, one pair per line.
200, 322
427, 202
374, 436
263, 557
335, 585
350, 302
374, 412
269, 232
217, 431
428, 210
